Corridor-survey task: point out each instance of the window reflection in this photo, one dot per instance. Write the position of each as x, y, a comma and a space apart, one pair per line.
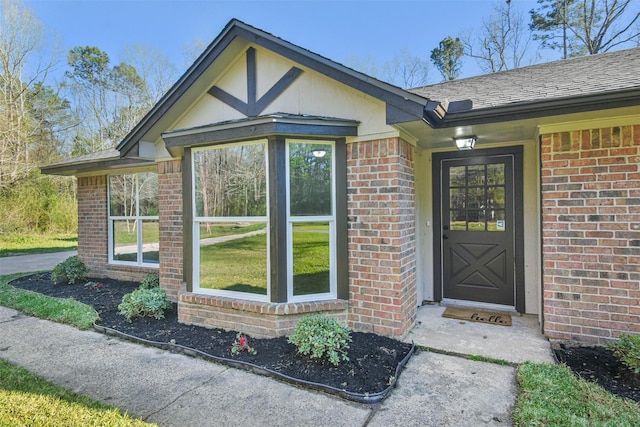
477, 197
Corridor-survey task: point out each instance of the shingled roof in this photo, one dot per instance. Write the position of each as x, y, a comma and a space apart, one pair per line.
588, 75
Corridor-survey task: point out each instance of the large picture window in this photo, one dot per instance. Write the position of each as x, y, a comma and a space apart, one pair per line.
133, 219
262, 243
230, 220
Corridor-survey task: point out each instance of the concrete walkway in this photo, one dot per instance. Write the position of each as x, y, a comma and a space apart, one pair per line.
175, 390
37, 262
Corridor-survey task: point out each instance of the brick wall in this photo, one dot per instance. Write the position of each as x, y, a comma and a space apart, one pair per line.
92, 223
591, 233
171, 237
258, 319
381, 235
93, 232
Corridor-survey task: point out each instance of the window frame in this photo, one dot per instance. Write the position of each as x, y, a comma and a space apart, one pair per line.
196, 221
139, 219
293, 219
279, 236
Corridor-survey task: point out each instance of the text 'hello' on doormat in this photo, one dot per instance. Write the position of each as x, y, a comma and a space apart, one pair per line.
472, 315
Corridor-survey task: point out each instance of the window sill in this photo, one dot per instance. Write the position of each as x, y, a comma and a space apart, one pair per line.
277, 309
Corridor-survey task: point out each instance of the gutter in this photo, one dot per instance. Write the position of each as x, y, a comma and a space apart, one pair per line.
533, 109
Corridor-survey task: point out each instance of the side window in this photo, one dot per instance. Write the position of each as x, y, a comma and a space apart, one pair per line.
311, 219
133, 219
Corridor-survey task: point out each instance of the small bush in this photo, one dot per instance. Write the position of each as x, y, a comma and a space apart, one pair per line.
627, 350
150, 281
144, 303
71, 270
322, 337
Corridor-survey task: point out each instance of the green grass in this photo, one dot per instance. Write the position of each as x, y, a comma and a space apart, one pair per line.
310, 258
236, 265
26, 244
227, 229
28, 400
128, 234
241, 264
550, 395
66, 311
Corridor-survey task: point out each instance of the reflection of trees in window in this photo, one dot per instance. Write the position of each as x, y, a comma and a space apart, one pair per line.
133, 217
310, 177
476, 196
148, 193
231, 181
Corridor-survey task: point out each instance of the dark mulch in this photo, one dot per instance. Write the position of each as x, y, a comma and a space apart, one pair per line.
373, 359
600, 365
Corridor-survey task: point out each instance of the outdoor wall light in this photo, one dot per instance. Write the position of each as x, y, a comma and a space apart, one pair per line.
319, 153
465, 142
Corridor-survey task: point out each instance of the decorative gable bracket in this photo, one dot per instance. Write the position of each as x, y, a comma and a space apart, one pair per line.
253, 107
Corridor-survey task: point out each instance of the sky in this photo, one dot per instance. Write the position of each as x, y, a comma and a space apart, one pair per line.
338, 30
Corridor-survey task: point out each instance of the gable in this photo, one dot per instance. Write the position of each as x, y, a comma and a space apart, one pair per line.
283, 86
228, 53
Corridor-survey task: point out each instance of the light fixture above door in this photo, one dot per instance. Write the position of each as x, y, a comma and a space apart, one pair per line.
465, 142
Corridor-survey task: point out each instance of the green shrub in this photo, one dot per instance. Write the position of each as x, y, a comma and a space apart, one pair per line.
150, 281
627, 350
71, 270
322, 337
39, 204
144, 303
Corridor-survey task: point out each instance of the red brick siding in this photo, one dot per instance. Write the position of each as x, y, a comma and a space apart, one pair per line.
92, 223
93, 232
171, 237
381, 236
591, 233
259, 319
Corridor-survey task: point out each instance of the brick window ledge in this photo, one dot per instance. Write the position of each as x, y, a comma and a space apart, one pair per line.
256, 318
132, 273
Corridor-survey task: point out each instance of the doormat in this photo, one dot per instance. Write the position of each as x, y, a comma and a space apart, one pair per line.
471, 315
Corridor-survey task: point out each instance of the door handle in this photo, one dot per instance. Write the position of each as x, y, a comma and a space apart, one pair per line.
445, 236
445, 227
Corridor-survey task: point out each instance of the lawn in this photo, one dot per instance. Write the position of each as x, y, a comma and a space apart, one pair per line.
67, 311
28, 400
241, 264
551, 395
25, 244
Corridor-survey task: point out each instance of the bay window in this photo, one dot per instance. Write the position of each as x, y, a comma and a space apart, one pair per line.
264, 220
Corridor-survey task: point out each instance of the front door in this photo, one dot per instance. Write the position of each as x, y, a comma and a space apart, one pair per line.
478, 218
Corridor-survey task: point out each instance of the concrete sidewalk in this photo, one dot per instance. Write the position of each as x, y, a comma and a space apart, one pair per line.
36, 262
175, 390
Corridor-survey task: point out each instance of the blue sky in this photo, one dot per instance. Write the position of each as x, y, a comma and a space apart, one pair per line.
338, 30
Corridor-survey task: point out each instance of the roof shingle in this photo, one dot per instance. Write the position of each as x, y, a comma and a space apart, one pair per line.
607, 72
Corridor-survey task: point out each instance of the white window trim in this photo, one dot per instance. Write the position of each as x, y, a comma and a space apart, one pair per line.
197, 220
137, 218
331, 219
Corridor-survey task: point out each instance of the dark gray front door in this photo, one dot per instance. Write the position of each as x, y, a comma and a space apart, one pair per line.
477, 227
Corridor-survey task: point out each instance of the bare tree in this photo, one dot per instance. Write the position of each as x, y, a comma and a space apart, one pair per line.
365, 64
191, 51
25, 64
111, 100
585, 27
502, 41
153, 67
406, 70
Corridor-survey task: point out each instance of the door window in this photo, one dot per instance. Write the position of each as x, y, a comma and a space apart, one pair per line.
477, 197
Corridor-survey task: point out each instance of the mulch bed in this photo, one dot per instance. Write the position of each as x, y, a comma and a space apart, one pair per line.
600, 365
374, 361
